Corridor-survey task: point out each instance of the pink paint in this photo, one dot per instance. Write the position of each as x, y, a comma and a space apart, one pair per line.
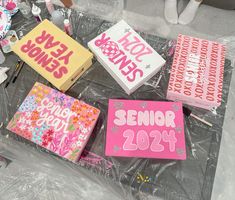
68, 27
197, 72
145, 129
94, 160
55, 121
10, 5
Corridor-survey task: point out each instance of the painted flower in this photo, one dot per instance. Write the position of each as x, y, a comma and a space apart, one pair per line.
37, 139
55, 143
33, 123
88, 123
83, 118
39, 87
28, 114
67, 143
68, 104
50, 132
38, 133
28, 122
85, 130
44, 127
44, 143
47, 137
76, 107
40, 96
95, 111
34, 91
22, 120
24, 133
68, 101
89, 114
74, 154
81, 126
46, 91
30, 129
40, 92
35, 115
16, 129
75, 120
28, 135
56, 99
22, 127
29, 104
76, 102
79, 143
82, 137
55, 92
38, 99
84, 107
61, 98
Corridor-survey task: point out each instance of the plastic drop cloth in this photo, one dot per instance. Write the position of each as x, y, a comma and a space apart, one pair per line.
29, 172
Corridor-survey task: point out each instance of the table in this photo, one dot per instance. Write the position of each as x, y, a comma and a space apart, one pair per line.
190, 179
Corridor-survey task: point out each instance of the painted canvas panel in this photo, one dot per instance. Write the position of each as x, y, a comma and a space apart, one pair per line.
197, 72
55, 121
129, 59
145, 129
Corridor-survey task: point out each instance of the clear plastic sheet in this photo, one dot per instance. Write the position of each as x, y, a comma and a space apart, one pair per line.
110, 10
29, 172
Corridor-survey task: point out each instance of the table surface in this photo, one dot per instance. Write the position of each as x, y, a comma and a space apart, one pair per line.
182, 180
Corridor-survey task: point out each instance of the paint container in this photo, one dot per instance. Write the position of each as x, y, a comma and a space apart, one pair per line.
36, 11
68, 27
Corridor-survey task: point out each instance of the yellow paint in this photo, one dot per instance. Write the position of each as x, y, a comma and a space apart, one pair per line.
142, 178
79, 60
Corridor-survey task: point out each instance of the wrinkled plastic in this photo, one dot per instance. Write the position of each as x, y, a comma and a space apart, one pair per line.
30, 172
110, 10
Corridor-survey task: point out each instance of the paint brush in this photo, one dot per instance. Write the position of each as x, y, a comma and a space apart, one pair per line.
18, 71
189, 113
12, 75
